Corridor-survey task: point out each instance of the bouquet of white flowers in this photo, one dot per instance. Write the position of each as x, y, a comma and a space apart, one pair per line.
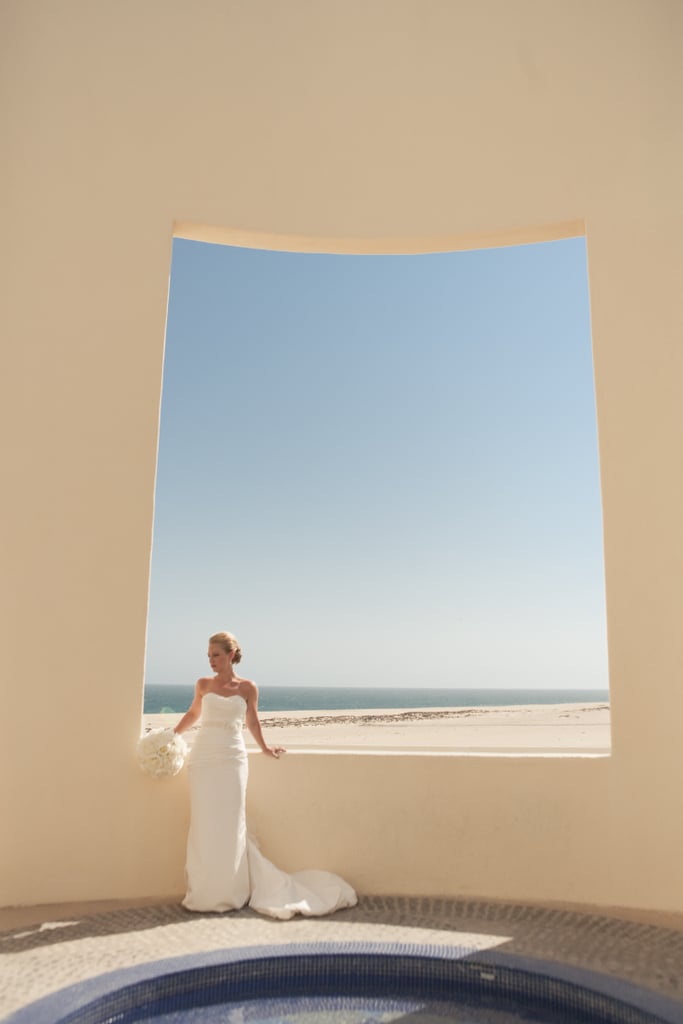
161, 752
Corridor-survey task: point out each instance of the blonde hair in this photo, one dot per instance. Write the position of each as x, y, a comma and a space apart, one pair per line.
229, 643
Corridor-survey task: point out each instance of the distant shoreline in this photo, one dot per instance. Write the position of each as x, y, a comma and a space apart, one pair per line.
161, 699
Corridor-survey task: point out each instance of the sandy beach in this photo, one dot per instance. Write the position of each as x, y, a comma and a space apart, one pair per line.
518, 729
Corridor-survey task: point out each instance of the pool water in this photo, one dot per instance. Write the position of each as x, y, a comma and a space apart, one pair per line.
340, 1010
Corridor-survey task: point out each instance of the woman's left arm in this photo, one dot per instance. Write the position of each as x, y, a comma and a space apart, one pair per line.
253, 724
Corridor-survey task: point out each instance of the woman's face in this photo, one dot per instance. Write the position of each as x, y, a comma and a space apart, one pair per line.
219, 659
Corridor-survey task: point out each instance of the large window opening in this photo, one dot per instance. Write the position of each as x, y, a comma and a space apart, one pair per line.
381, 474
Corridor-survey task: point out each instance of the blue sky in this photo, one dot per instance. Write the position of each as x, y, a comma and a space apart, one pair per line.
380, 470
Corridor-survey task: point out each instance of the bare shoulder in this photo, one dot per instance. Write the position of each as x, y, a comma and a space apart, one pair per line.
203, 684
249, 688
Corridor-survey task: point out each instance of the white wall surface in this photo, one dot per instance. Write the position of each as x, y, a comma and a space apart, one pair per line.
394, 125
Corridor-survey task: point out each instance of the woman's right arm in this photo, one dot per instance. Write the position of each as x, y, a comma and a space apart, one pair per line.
194, 711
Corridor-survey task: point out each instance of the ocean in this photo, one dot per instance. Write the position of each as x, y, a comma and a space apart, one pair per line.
167, 699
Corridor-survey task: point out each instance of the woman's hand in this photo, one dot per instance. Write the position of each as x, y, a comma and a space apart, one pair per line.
274, 751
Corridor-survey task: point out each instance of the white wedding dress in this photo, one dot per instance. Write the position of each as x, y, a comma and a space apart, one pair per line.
225, 868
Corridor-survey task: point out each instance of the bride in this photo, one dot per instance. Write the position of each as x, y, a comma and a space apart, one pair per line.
224, 868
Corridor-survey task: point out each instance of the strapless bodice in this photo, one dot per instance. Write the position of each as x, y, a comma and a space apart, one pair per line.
225, 711
220, 731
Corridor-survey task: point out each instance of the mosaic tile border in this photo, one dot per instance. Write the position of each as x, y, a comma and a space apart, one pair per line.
363, 969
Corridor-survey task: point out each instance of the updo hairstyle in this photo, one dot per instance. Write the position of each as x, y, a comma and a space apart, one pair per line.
229, 643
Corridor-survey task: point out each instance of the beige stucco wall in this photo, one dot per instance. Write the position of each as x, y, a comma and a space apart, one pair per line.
391, 125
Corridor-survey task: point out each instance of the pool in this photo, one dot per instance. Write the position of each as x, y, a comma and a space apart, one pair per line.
351, 983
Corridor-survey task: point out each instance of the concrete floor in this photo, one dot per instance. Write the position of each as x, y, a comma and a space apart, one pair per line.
43, 949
